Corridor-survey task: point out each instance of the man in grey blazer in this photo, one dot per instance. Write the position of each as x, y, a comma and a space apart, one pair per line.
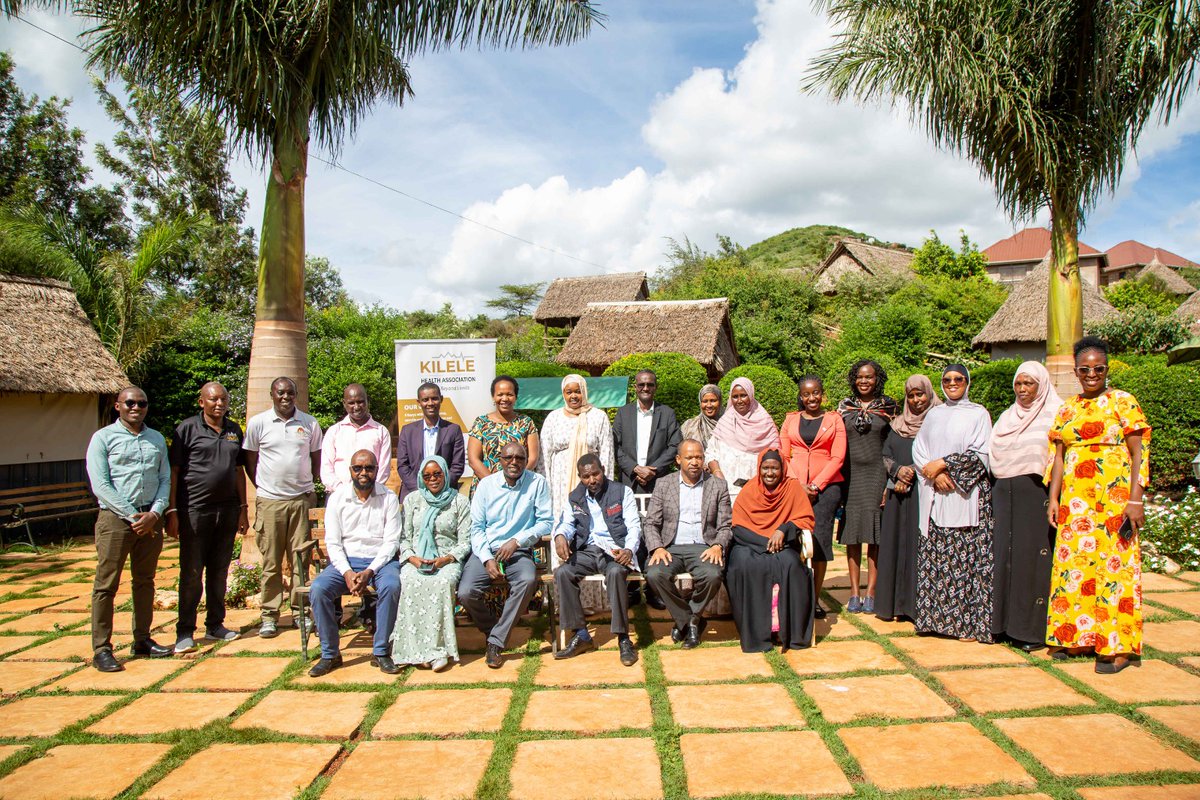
688, 529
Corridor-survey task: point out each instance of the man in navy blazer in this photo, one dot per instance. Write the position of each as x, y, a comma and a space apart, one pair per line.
429, 436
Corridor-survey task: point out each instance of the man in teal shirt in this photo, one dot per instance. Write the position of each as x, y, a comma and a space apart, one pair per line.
130, 473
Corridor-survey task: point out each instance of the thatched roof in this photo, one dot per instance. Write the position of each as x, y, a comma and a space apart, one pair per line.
47, 344
1023, 316
567, 298
874, 259
1189, 313
610, 331
1173, 281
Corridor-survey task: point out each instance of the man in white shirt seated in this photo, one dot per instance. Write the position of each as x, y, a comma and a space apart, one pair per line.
597, 534
362, 535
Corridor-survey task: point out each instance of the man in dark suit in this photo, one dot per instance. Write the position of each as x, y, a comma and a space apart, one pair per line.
688, 529
429, 436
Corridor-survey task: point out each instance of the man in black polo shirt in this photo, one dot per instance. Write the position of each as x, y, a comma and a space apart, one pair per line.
208, 508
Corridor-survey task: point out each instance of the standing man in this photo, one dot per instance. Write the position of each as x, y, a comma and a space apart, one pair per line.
429, 436
283, 452
647, 438
688, 529
208, 509
353, 432
130, 474
362, 534
509, 514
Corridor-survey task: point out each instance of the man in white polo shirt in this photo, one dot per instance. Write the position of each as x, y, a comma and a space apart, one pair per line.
283, 452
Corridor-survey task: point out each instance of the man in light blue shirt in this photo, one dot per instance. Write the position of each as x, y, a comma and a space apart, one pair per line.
130, 474
510, 513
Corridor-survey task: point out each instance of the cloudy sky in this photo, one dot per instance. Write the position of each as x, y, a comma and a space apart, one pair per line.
678, 118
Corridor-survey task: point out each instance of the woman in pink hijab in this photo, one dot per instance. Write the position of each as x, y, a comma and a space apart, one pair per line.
744, 431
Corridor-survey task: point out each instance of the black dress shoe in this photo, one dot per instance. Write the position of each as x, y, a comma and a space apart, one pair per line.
324, 667
494, 658
1031, 647
152, 648
629, 654
654, 601
677, 634
385, 664
692, 636
820, 613
578, 644
105, 661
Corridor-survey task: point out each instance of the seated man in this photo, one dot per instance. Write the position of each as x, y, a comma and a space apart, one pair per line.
362, 535
597, 535
509, 515
688, 530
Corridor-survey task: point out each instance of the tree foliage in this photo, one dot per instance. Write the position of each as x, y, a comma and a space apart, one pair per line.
1170, 398
935, 257
774, 390
1144, 291
1140, 330
323, 288
679, 379
517, 299
799, 248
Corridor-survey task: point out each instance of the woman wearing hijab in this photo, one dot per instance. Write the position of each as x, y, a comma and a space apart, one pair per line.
569, 433
744, 431
867, 414
954, 558
701, 426
1023, 544
771, 521
896, 588
434, 542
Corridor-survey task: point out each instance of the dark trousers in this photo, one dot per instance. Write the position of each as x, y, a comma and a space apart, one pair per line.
521, 574
706, 582
591, 560
206, 537
115, 542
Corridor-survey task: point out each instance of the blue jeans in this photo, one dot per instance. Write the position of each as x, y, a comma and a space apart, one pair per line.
331, 585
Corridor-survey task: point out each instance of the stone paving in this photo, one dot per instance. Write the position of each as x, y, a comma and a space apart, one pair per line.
872, 711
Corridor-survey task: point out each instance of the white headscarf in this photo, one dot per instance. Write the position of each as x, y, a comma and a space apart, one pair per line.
579, 437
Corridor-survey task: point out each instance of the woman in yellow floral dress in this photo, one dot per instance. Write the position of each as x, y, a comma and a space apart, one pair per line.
1100, 440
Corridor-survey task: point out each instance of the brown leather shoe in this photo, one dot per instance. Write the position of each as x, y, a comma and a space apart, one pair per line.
494, 658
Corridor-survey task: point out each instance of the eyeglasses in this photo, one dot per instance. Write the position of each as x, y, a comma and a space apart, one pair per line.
357, 468
1099, 369
650, 385
431, 476
136, 403
516, 457
949, 379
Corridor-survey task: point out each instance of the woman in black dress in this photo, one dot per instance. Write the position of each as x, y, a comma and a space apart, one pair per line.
867, 414
896, 588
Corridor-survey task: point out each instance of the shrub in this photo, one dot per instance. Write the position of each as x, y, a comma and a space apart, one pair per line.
992, 385
772, 388
895, 329
679, 379
955, 310
1170, 398
1140, 330
533, 369
1147, 292
835, 367
244, 580
1173, 531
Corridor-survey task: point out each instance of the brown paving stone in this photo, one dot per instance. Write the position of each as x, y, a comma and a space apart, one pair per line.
471, 669
713, 664
1009, 689
1152, 681
749, 763
443, 770
896, 696
883, 626
139, 674
10, 644
1153, 582
73, 647
241, 618
639, 775
7, 750
355, 669
253, 643
442, 712
74, 589
43, 622
123, 620
757, 705
28, 604
47, 715
834, 626
834, 656
75, 766
716, 631
18, 587
1187, 602
248, 674
279, 772
933, 652
1191, 576
1180, 636
159, 713
1182, 791
17, 676
1044, 737
1037, 796
472, 639
327, 715
1184, 720
965, 756
596, 667
587, 710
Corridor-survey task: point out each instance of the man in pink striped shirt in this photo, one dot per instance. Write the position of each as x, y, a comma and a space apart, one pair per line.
356, 431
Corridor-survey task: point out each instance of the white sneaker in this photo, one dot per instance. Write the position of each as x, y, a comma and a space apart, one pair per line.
184, 644
440, 664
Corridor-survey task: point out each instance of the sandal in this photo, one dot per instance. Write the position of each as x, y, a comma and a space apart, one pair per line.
1111, 665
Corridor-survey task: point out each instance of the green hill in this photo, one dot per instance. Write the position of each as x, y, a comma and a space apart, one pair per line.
799, 247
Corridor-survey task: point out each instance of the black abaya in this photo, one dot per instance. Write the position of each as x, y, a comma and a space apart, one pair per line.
1023, 550
750, 575
899, 534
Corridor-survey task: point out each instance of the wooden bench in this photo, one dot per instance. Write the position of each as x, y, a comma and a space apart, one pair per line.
313, 553
19, 507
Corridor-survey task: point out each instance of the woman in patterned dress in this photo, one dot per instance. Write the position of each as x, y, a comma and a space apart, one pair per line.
1100, 439
494, 430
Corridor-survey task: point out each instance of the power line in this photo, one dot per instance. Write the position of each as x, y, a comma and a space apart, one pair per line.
54, 35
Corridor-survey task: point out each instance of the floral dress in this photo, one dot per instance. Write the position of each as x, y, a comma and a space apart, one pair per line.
1096, 584
492, 436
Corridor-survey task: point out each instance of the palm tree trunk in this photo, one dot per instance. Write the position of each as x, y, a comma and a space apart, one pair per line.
279, 347
1064, 316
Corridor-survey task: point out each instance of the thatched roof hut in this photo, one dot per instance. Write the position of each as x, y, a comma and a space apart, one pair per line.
1189, 313
1018, 328
566, 299
55, 375
610, 331
1172, 280
854, 257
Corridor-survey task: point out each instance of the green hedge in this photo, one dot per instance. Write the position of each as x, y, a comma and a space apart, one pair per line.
772, 388
533, 369
679, 379
1170, 398
835, 367
992, 385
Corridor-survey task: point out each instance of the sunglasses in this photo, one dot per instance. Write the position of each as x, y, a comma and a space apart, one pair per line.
949, 379
357, 468
1100, 369
136, 403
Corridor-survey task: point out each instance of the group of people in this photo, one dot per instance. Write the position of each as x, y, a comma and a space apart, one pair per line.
1024, 530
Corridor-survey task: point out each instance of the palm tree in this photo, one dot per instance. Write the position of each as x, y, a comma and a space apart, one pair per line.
1047, 97
279, 73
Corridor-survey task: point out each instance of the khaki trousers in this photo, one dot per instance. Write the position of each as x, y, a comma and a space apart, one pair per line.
115, 542
280, 526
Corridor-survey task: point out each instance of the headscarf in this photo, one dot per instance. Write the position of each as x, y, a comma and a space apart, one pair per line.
1019, 437
965, 401
751, 433
701, 427
765, 511
907, 424
579, 437
426, 545
859, 415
